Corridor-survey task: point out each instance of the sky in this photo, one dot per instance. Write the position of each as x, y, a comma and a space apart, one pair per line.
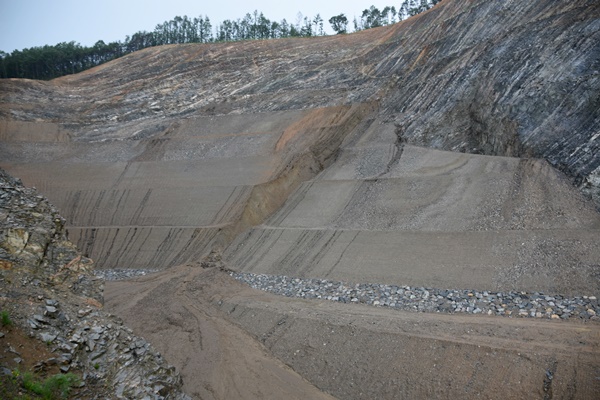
31, 23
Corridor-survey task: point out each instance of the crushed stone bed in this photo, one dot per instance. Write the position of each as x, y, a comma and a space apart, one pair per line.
421, 299
120, 274
410, 298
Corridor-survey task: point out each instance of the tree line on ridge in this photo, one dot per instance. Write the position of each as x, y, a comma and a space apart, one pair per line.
48, 62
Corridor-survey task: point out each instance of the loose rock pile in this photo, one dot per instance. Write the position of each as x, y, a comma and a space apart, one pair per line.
407, 298
50, 291
514, 304
103, 348
120, 274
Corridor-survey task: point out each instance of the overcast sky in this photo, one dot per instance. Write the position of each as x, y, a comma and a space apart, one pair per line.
30, 23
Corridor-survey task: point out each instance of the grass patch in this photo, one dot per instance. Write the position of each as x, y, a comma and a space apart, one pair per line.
5, 319
54, 387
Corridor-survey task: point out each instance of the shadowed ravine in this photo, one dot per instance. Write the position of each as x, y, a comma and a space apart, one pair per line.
456, 150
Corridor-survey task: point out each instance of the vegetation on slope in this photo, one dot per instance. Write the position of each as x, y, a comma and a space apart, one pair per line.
48, 62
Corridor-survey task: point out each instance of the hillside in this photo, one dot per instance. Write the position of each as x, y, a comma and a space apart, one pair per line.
510, 86
458, 150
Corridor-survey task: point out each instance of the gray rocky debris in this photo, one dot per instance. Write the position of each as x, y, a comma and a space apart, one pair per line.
511, 304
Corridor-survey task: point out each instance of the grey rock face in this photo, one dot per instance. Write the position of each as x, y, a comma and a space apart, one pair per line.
522, 80
39, 264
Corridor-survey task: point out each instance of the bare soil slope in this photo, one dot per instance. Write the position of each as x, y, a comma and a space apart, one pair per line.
422, 217
164, 200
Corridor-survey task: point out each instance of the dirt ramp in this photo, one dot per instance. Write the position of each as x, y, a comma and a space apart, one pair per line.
218, 359
349, 351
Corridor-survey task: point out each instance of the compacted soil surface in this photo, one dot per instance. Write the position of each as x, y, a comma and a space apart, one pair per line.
231, 341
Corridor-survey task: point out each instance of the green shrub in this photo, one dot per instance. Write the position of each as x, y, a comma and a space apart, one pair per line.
5, 318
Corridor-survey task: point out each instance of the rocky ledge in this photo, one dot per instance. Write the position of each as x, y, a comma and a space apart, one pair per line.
49, 290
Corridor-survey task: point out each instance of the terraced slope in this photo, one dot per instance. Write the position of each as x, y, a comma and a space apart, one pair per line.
162, 201
486, 77
431, 218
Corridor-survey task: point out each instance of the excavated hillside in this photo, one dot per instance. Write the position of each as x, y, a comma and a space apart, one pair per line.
450, 162
497, 78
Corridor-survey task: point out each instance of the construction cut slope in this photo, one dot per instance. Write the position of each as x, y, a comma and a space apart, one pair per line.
398, 214
499, 78
443, 151
165, 200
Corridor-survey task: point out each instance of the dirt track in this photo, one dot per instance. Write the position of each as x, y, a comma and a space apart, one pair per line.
431, 218
223, 335
219, 359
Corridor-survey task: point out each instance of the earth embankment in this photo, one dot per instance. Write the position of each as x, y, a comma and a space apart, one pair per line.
162, 201
424, 217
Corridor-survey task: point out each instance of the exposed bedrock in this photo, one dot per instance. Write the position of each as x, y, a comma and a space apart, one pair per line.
167, 153
53, 297
522, 80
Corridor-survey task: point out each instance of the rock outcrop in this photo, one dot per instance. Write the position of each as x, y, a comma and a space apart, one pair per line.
488, 77
501, 78
50, 291
168, 142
